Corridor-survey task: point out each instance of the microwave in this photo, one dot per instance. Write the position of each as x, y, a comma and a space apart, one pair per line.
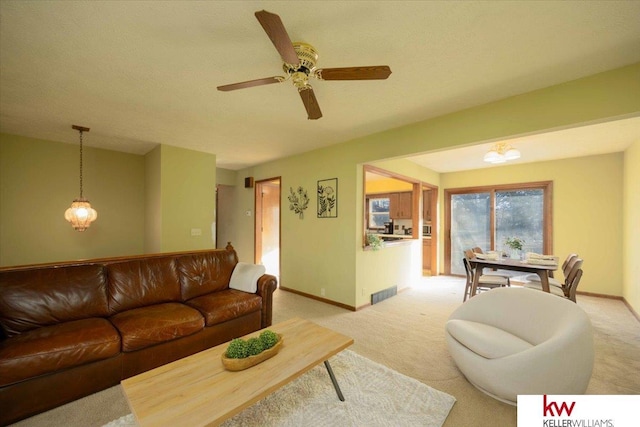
426, 230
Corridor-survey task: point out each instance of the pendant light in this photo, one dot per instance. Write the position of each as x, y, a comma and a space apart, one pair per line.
80, 214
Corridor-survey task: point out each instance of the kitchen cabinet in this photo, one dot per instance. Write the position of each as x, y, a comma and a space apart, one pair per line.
426, 254
400, 205
426, 205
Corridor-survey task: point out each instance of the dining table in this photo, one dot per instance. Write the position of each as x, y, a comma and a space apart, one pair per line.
542, 270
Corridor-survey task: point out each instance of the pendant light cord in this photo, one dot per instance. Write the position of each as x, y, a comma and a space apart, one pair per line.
80, 163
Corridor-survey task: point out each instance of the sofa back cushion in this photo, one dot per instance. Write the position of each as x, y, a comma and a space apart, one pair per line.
34, 298
142, 282
205, 272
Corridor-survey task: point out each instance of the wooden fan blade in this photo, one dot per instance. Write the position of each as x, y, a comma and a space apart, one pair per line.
274, 28
310, 103
251, 83
376, 72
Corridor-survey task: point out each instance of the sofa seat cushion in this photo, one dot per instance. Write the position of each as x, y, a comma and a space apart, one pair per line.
56, 347
218, 307
146, 326
486, 340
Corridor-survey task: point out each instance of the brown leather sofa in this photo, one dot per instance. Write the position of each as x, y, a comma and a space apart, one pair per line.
71, 329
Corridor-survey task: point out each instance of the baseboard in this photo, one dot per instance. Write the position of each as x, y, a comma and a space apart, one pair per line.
592, 294
635, 313
317, 298
352, 308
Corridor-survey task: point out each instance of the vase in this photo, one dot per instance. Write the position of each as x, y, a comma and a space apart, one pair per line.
515, 254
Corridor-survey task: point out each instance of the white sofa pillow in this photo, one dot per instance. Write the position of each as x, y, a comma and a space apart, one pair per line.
245, 277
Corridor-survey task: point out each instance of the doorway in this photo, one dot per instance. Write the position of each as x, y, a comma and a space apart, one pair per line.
267, 225
429, 230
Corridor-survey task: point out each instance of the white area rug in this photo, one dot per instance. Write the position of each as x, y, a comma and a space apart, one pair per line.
374, 396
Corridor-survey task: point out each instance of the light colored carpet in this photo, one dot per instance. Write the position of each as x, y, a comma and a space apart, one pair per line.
372, 392
406, 334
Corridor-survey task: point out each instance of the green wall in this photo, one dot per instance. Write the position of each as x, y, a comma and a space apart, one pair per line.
187, 199
631, 226
39, 180
322, 253
225, 176
153, 201
145, 204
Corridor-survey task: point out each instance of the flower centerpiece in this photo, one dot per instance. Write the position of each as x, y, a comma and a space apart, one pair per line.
242, 354
516, 245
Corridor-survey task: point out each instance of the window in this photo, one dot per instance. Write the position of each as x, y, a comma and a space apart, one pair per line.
520, 213
393, 199
378, 212
486, 216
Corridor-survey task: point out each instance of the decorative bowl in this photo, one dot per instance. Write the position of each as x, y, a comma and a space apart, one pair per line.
247, 362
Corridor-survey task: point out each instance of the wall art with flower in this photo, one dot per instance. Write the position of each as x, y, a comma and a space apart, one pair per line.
328, 198
298, 201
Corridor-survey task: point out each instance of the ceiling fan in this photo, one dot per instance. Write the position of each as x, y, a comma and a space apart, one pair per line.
299, 63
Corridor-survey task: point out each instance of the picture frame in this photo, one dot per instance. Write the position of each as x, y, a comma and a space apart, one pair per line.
328, 198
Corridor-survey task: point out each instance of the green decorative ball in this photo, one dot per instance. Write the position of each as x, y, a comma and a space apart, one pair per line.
254, 346
268, 338
238, 349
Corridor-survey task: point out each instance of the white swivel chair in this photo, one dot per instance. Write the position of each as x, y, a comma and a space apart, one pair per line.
513, 341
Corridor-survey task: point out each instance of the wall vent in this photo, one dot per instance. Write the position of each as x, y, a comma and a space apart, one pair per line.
383, 294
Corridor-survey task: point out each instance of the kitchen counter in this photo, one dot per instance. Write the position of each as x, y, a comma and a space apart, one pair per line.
393, 237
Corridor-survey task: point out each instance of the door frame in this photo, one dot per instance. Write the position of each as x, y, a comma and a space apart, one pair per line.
435, 270
257, 220
547, 232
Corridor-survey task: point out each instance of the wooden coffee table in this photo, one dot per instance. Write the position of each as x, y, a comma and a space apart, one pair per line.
199, 391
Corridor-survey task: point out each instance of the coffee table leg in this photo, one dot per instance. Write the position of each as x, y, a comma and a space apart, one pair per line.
333, 380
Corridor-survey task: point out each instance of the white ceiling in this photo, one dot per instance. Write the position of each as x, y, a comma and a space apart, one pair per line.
610, 137
142, 73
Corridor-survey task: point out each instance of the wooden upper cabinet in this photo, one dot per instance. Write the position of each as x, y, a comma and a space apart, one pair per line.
400, 205
426, 207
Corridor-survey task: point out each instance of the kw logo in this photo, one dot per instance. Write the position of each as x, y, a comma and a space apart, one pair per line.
548, 408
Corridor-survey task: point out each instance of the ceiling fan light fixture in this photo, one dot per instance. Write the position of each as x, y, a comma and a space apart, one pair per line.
500, 153
307, 55
300, 63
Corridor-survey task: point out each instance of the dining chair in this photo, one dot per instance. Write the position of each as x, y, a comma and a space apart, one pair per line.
566, 268
574, 285
566, 289
478, 250
485, 282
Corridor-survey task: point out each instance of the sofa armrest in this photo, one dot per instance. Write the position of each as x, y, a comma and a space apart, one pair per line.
267, 284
